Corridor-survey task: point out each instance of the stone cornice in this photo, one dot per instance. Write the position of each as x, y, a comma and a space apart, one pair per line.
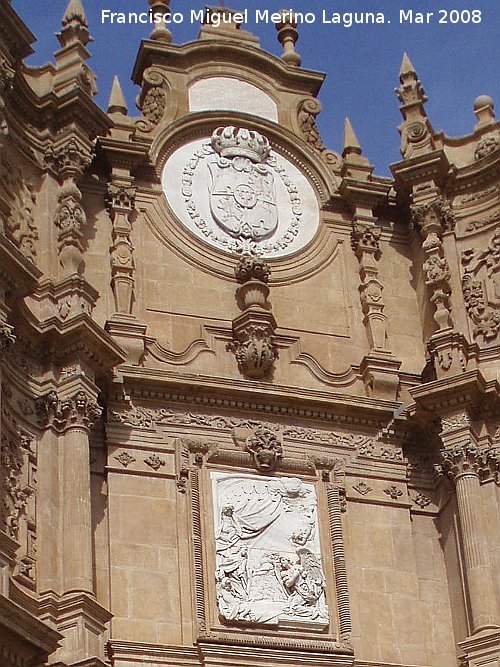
19, 271
16, 35
31, 636
465, 390
174, 386
200, 52
79, 337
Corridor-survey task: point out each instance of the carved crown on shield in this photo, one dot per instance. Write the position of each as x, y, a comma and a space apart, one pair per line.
232, 142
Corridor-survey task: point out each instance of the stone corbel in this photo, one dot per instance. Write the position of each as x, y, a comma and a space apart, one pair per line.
253, 330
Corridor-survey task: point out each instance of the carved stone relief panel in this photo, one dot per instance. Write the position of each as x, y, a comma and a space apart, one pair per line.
268, 567
18, 458
235, 193
481, 288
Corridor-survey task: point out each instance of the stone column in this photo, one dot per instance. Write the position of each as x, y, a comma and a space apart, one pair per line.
72, 417
463, 462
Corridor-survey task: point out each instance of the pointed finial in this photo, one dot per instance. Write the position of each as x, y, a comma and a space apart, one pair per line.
351, 143
288, 36
117, 102
406, 67
75, 27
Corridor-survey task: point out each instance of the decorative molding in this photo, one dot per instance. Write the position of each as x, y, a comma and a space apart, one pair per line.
455, 423
340, 572
18, 197
152, 100
18, 488
433, 218
7, 337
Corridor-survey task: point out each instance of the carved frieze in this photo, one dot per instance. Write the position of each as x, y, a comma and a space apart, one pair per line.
268, 561
481, 288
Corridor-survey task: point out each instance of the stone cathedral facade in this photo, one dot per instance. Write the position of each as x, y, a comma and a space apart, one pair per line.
250, 401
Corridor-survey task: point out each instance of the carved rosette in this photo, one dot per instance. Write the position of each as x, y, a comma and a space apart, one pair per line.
121, 203
480, 285
63, 413
266, 449
433, 218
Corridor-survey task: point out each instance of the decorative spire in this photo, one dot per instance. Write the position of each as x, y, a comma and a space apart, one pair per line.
75, 27
406, 67
117, 103
351, 143
288, 36
416, 130
160, 32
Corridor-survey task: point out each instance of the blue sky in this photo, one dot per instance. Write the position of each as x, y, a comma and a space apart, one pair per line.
455, 62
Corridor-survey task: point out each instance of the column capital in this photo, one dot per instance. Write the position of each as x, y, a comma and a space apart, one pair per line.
470, 460
62, 413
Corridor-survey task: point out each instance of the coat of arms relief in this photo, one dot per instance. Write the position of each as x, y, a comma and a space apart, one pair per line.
239, 195
268, 562
242, 192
